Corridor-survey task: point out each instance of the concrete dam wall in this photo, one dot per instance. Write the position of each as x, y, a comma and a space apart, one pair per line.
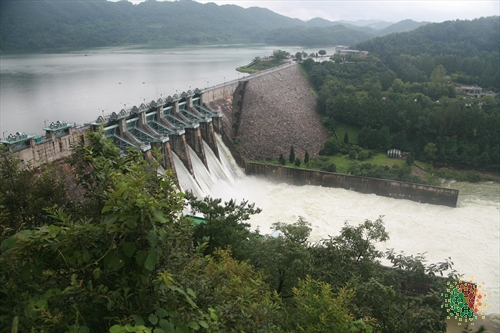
387, 188
186, 121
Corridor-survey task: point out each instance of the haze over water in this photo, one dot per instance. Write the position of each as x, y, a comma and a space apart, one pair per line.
75, 86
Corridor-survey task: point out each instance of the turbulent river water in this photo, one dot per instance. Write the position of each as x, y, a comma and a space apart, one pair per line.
78, 86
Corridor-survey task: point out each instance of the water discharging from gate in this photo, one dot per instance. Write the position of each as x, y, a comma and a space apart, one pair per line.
469, 233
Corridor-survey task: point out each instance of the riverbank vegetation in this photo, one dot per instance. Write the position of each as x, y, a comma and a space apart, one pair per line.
405, 95
113, 252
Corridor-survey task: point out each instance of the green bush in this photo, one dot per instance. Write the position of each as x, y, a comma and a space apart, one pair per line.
330, 167
353, 155
282, 160
364, 155
473, 176
331, 147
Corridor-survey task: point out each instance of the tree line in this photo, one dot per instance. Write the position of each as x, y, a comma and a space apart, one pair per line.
100, 244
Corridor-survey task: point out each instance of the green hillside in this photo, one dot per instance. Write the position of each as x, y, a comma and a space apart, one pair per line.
404, 94
54, 24
37, 25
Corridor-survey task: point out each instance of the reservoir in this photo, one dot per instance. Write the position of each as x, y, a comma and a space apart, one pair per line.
78, 86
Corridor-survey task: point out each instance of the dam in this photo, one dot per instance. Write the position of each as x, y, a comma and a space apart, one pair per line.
187, 127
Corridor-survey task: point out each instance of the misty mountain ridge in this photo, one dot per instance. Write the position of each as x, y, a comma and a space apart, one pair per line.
373, 24
377, 28
37, 25
401, 26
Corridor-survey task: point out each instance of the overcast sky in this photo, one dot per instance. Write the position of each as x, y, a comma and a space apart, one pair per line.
389, 10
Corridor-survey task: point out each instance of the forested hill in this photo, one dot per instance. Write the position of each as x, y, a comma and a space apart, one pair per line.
39, 24
468, 49
51, 24
462, 38
406, 94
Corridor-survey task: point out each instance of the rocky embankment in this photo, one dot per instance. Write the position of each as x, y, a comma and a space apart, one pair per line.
279, 111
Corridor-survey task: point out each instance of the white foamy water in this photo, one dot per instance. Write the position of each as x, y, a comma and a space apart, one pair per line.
469, 233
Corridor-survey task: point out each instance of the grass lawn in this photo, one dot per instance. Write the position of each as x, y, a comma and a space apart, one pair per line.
352, 132
342, 162
259, 66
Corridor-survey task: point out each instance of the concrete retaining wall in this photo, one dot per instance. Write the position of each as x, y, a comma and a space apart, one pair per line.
388, 188
220, 91
52, 148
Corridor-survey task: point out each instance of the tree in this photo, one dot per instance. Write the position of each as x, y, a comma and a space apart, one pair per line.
346, 138
322, 52
92, 273
280, 55
306, 157
331, 147
438, 74
283, 256
298, 56
291, 157
281, 160
297, 162
322, 311
233, 291
409, 159
225, 223
430, 151
27, 192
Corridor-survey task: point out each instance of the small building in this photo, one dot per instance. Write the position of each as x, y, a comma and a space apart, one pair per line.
477, 91
394, 153
351, 52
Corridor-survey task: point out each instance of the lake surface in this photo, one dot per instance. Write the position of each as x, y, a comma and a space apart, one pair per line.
77, 86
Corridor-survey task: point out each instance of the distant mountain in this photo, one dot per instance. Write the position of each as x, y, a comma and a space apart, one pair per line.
401, 26
373, 24
333, 35
319, 22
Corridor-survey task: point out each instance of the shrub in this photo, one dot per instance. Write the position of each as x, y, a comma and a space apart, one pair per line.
473, 176
353, 155
331, 147
330, 167
282, 160
364, 155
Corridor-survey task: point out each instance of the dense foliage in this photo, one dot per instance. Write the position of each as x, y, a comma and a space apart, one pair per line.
404, 94
115, 254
